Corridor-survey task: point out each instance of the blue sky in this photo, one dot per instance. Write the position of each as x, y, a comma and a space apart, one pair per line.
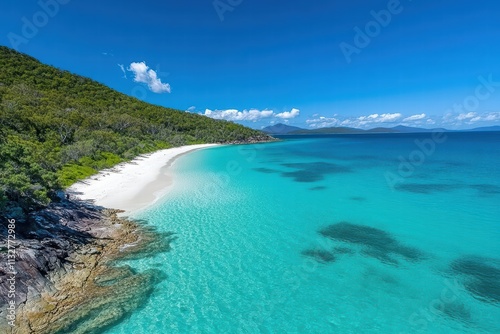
307, 63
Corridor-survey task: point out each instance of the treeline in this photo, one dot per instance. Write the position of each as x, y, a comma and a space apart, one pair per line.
57, 128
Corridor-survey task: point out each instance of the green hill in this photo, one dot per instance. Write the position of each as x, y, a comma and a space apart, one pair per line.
57, 127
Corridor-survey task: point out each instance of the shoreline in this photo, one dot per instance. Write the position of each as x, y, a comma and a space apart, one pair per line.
84, 289
71, 278
135, 185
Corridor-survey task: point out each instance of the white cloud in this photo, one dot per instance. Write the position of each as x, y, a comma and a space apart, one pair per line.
458, 120
492, 116
390, 117
376, 118
464, 116
146, 75
453, 120
361, 121
235, 115
348, 122
487, 117
414, 118
288, 114
323, 122
250, 115
123, 70
191, 109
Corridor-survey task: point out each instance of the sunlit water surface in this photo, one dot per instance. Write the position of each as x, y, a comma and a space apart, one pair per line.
335, 234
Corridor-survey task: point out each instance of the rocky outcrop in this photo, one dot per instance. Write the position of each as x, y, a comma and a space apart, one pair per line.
65, 282
264, 138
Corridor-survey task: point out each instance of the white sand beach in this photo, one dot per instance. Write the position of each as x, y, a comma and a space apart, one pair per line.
134, 185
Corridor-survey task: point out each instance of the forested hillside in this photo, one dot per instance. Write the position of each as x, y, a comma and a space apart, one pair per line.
57, 127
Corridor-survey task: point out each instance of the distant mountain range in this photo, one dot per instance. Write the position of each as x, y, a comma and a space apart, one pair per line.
486, 128
283, 129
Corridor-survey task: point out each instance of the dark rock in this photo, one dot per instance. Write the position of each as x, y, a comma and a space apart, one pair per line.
42, 244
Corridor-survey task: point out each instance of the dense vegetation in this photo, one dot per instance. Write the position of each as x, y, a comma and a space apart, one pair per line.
57, 128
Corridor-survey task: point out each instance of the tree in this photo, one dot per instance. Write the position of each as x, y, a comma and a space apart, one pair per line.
57, 128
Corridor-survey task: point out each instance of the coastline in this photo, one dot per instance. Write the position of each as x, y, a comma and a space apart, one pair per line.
70, 276
78, 287
134, 185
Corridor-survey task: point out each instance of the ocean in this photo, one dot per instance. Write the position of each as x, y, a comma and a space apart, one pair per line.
374, 233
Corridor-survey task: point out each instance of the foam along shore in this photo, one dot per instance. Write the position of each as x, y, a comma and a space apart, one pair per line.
133, 185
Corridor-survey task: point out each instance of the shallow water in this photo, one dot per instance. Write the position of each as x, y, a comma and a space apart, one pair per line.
334, 234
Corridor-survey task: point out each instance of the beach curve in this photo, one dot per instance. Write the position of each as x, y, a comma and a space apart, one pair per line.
132, 186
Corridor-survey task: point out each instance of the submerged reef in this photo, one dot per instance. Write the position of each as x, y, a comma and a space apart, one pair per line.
486, 189
266, 170
431, 188
426, 188
318, 188
313, 171
320, 255
376, 243
457, 311
307, 172
480, 277
358, 198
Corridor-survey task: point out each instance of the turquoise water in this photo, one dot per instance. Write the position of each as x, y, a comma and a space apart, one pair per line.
330, 235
